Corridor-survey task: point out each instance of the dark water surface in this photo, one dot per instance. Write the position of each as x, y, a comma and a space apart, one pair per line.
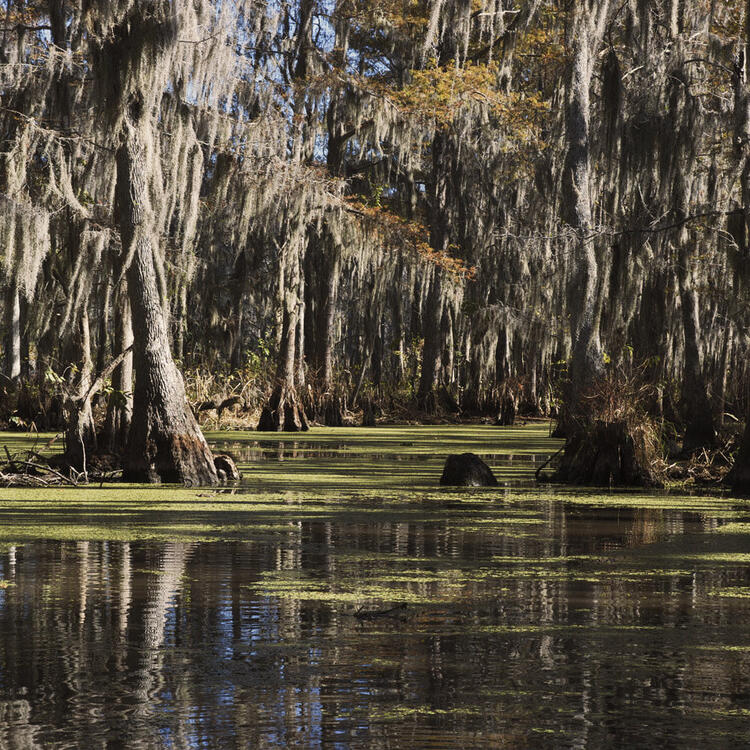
591, 628
517, 619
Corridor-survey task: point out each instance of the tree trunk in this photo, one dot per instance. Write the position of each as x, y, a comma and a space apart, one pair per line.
439, 239
25, 342
102, 352
237, 354
700, 430
595, 450
586, 362
283, 411
120, 408
165, 442
398, 349
329, 317
433, 314
696, 407
721, 375
180, 322
300, 366
237, 339
739, 477
447, 357
322, 268
13, 331
80, 433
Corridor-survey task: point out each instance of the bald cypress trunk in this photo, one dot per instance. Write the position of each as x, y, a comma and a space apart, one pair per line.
739, 477
700, 430
12, 331
103, 350
433, 344
433, 312
586, 362
328, 317
331, 402
283, 412
120, 407
165, 442
80, 433
597, 451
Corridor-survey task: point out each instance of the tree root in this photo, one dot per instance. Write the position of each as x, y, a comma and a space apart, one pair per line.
283, 413
607, 454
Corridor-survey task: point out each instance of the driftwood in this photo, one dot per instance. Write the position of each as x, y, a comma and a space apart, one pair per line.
16, 473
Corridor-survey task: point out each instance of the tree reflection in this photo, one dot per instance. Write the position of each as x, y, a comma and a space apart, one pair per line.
512, 636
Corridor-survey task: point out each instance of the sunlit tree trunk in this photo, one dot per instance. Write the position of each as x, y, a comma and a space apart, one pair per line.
13, 331
165, 443
80, 435
584, 36
328, 317
103, 348
133, 55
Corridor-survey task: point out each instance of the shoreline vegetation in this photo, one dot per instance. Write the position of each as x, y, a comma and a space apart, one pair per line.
32, 459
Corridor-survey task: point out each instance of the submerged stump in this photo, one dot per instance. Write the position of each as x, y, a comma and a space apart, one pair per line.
467, 470
226, 468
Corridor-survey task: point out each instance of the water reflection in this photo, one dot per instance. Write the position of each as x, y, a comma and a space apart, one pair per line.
258, 450
545, 625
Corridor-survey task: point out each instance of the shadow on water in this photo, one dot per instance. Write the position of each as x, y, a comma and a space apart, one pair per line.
394, 617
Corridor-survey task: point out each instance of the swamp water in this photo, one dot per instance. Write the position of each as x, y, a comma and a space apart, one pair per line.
339, 599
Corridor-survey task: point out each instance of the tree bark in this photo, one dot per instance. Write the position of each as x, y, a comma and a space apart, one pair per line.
331, 406
397, 347
165, 442
433, 315
80, 433
739, 477
439, 239
283, 412
13, 331
180, 321
726, 354
596, 451
586, 28
328, 317
103, 349
120, 408
300, 365
700, 430
239, 282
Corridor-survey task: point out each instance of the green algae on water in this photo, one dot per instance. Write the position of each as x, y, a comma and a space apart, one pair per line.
729, 558
734, 528
732, 592
399, 713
